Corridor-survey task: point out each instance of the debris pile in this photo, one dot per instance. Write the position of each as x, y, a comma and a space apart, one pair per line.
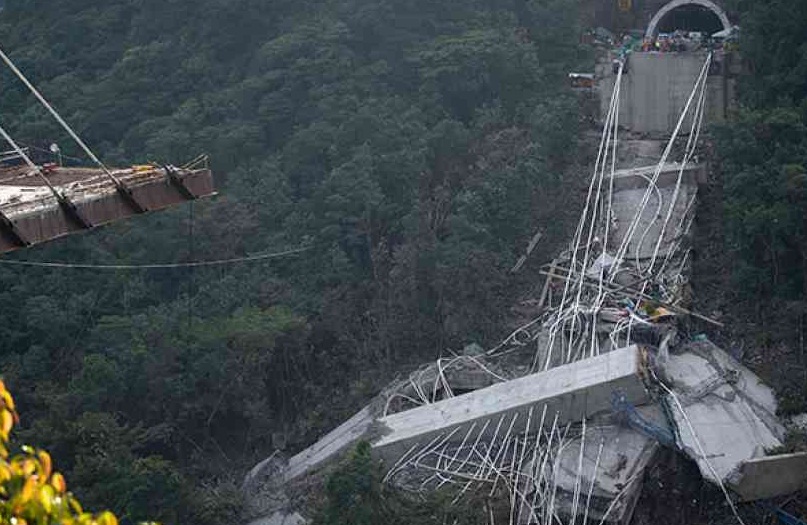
565, 415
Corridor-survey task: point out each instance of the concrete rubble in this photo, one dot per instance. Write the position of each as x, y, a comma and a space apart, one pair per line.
613, 472
566, 414
768, 477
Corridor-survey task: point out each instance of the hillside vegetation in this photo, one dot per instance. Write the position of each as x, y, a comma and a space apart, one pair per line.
759, 212
416, 146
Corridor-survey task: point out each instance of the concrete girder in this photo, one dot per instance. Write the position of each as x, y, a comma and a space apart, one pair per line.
576, 390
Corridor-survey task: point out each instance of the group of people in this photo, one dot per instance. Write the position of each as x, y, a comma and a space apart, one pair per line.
676, 42
681, 41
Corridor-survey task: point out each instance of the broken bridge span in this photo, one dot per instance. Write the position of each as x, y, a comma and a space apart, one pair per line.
562, 419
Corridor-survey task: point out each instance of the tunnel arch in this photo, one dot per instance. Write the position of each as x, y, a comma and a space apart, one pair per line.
653, 27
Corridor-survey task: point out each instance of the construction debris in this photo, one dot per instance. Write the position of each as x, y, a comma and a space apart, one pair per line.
723, 413
565, 415
569, 393
768, 477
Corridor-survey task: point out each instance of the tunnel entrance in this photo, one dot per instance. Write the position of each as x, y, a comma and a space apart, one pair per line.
689, 15
690, 18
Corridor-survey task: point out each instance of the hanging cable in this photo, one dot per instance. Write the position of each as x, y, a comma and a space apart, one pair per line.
621, 253
34, 168
562, 316
66, 204
121, 187
167, 266
56, 115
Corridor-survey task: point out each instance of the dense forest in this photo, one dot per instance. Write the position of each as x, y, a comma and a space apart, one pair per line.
414, 147
760, 177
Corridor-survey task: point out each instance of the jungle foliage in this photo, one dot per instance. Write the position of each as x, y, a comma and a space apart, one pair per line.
31, 491
414, 145
763, 153
355, 495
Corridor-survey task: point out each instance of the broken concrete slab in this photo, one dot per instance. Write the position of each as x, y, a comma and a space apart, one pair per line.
627, 452
637, 178
624, 456
725, 419
264, 488
728, 432
770, 477
724, 370
642, 243
573, 391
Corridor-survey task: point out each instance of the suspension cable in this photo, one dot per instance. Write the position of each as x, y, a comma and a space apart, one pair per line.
36, 169
165, 266
56, 115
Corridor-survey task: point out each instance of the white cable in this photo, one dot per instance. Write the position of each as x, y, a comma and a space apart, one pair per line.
36, 169
56, 115
659, 168
195, 264
584, 216
701, 451
692, 143
699, 83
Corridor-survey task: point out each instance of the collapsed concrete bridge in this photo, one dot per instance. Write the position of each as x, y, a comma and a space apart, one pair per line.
563, 418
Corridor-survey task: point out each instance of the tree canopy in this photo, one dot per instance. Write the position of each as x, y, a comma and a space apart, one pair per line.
416, 146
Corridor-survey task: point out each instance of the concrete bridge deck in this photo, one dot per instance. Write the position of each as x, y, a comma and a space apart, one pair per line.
31, 213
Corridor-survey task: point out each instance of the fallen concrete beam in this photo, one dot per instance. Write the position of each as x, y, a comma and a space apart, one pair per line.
37, 216
332, 445
770, 477
572, 391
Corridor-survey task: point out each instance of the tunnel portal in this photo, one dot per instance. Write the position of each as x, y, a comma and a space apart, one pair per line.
690, 18
689, 15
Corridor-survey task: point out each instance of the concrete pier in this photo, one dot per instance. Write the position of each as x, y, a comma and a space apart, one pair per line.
656, 88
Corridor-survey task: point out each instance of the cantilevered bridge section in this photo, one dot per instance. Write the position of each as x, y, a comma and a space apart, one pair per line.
43, 203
